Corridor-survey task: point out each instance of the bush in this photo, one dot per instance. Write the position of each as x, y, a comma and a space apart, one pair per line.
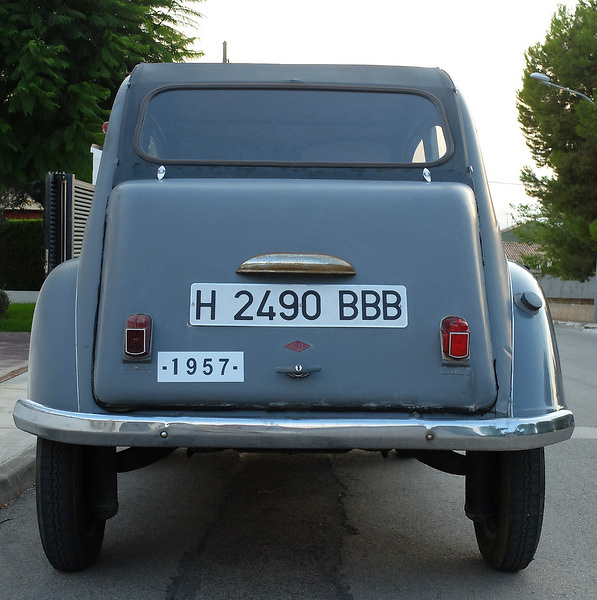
21, 254
4, 302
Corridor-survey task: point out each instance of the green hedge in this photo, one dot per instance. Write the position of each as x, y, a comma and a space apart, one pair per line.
21, 254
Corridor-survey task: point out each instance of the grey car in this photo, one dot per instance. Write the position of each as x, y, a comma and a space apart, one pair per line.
296, 258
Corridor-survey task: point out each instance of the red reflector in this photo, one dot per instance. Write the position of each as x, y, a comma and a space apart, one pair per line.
137, 336
105, 127
455, 338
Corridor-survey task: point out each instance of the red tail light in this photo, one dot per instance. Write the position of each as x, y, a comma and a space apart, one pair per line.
455, 338
137, 336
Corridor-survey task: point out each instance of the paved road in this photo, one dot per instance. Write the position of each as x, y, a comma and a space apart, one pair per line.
578, 354
334, 527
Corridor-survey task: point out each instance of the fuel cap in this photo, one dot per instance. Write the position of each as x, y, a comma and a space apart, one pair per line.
529, 302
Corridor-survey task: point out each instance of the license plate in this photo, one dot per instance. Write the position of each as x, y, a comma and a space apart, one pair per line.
212, 367
279, 305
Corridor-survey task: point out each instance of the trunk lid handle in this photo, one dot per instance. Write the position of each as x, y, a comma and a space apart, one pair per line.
296, 262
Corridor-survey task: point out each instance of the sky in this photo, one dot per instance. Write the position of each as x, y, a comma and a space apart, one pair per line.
480, 44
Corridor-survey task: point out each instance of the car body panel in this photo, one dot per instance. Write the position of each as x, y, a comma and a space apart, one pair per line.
218, 224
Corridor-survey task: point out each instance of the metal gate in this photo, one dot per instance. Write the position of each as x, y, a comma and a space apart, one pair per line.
68, 202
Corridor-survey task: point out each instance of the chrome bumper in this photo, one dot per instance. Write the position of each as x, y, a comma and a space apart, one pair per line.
294, 432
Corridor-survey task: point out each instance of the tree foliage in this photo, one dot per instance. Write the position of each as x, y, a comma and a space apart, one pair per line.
61, 62
561, 132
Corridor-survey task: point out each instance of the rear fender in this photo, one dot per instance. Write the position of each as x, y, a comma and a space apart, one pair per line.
52, 353
537, 378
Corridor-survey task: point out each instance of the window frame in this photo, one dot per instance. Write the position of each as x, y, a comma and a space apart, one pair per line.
443, 123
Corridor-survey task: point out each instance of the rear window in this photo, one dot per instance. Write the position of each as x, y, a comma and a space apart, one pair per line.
291, 125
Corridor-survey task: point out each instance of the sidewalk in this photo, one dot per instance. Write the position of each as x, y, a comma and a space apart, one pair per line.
17, 448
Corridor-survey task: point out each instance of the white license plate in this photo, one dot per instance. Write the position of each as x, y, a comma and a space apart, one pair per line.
282, 305
205, 367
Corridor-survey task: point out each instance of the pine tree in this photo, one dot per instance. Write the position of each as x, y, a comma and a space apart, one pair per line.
561, 132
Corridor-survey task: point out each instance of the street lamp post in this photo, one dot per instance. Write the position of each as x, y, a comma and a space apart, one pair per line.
545, 80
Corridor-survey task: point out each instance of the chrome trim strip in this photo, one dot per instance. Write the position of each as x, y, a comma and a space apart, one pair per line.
512, 336
76, 339
284, 431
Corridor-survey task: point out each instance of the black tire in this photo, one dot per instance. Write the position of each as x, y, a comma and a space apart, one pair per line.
508, 539
71, 536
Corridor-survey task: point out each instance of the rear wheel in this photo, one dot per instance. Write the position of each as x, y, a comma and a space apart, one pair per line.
71, 534
509, 533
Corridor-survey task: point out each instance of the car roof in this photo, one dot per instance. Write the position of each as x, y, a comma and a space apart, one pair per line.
152, 76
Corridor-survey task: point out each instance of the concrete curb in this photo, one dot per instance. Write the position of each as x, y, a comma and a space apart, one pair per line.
14, 373
17, 475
